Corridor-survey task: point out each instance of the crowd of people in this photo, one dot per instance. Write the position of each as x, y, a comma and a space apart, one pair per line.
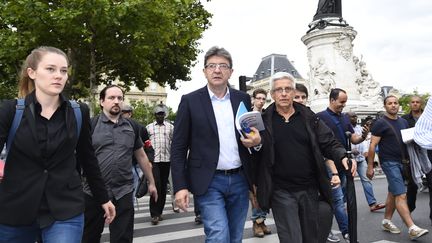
67, 175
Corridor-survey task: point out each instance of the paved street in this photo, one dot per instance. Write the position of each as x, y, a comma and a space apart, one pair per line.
180, 227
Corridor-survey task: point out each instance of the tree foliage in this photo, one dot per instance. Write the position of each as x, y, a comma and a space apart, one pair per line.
405, 100
142, 112
131, 40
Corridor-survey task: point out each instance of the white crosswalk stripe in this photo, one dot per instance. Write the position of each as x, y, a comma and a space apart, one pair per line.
179, 227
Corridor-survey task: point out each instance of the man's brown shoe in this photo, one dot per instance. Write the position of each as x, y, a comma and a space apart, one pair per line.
257, 230
265, 229
155, 220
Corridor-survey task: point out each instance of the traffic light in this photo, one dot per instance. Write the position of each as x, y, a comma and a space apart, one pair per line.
242, 83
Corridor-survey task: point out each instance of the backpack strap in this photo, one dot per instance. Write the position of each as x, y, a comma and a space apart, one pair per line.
15, 123
78, 115
93, 122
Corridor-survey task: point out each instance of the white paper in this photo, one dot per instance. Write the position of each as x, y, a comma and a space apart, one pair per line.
407, 135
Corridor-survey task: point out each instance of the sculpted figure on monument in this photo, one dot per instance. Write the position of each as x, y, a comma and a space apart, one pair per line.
356, 61
323, 79
328, 8
368, 88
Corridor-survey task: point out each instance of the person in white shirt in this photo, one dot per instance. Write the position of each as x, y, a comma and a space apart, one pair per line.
423, 128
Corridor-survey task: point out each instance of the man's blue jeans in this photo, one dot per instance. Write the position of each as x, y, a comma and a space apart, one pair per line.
258, 213
225, 203
339, 209
338, 201
67, 231
366, 183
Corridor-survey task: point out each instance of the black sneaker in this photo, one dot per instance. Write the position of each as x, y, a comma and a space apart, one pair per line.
198, 219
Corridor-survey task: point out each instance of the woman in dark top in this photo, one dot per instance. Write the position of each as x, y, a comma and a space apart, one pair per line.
41, 192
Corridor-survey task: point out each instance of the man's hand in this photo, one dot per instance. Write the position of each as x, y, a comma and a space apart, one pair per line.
153, 191
182, 199
110, 212
354, 165
252, 139
365, 130
335, 181
370, 172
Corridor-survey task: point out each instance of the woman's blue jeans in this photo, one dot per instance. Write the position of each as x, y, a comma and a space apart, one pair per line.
66, 231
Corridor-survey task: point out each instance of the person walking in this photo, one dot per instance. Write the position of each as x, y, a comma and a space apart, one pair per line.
115, 141
412, 117
161, 133
258, 217
290, 167
359, 151
208, 157
423, 128
41, 192
392, 152
339, 124
127, 113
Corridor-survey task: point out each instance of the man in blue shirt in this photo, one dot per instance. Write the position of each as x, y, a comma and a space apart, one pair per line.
339, 123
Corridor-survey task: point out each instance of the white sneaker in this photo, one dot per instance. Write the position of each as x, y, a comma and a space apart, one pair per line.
390, 227
332, 238
417, 232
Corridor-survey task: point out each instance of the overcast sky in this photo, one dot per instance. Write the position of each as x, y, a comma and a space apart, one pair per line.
394, 37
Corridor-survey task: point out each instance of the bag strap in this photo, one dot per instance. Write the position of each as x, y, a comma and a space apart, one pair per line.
20, 111
15, 123
397, 138
93, 122
78, 115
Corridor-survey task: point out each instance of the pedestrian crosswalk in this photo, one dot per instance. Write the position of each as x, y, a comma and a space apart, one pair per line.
179, 227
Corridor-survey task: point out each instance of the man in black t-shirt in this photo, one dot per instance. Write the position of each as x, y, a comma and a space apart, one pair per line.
386, 134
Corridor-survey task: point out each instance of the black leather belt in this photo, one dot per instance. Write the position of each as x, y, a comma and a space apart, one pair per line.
229, 172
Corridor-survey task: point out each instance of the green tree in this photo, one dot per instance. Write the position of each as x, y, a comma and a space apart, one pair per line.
143, 113
131, 40
405, 99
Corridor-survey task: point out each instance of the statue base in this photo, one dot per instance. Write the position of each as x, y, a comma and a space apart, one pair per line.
333, 65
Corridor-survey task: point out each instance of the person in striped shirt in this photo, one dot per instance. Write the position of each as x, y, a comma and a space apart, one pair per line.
423, 128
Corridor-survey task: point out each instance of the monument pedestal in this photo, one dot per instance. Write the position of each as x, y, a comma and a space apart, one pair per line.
333, 65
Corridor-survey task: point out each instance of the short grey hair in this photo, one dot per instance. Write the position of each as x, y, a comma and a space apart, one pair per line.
281, 75
220, 52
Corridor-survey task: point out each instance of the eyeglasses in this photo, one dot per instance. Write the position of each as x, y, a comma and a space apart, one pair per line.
282, 89
221, 66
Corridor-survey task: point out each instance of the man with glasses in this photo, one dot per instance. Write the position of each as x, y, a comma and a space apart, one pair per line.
208, 158
259, 229
290, 167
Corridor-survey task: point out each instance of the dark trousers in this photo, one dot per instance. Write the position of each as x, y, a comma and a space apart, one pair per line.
196, 207
160, 173
296, 215
325, 215
121, 229
412, 194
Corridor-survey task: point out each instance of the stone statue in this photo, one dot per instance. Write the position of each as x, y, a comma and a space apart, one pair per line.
368, 88
323, 79
328, 8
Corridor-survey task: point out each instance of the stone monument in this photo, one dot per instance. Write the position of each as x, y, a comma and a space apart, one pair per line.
332, 63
